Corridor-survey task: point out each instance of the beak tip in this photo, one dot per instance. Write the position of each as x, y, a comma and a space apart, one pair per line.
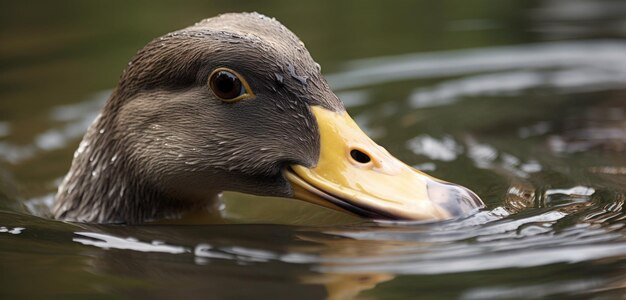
457, 201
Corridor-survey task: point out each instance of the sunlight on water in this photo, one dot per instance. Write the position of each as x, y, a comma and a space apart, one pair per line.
110, 242
580, 70
535, 124
489, 240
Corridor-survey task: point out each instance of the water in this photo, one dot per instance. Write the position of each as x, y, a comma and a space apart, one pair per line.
522, 101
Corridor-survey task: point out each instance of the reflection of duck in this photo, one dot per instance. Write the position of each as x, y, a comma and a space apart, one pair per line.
236, 103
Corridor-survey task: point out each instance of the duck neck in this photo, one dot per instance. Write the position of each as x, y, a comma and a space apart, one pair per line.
104, 186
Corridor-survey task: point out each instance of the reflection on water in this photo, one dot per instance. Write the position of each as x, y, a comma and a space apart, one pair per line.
581, 71
580, 18
110, 242
537, 127
74, 121
344, 261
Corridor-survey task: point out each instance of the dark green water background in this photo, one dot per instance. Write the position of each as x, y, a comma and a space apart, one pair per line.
522, 101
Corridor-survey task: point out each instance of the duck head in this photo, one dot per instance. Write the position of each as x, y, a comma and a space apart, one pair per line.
236, 103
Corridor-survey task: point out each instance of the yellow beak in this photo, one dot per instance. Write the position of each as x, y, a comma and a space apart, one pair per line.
356, 175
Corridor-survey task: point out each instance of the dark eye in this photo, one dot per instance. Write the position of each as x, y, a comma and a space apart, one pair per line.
227, 85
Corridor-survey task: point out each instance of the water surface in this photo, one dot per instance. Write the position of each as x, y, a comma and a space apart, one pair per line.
524, 102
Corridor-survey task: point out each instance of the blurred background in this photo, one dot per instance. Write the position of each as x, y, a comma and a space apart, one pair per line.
524, 102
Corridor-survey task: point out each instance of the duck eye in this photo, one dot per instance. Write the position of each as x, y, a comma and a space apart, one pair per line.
229, 86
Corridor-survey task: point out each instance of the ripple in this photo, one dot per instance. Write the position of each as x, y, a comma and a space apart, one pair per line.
487, 241
533, 291
444, 149
602, 70
74, 118
14, 230
106, 241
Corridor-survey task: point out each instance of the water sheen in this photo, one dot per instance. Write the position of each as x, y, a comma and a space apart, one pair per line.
523, 102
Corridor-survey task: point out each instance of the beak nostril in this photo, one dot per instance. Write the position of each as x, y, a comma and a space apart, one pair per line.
359, 156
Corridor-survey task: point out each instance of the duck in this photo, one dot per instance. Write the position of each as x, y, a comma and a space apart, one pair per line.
237, 103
